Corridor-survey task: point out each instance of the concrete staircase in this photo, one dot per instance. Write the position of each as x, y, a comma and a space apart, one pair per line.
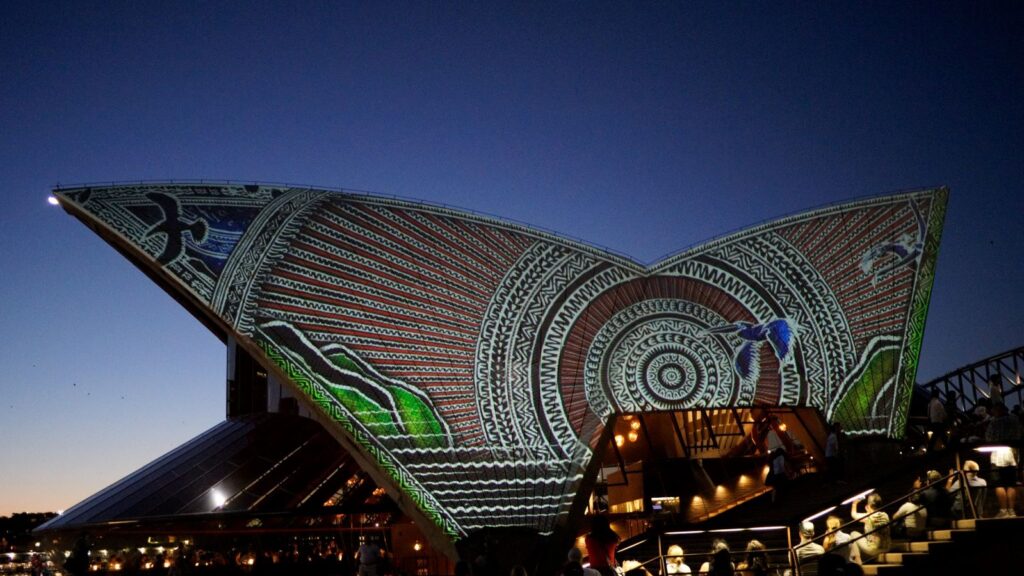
983, 546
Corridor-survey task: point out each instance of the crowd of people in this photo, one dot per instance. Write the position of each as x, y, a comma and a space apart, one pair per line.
949, 426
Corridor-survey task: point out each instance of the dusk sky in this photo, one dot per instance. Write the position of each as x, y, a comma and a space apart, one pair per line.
641, 127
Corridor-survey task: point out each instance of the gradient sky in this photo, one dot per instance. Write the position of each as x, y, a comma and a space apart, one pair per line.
644, 128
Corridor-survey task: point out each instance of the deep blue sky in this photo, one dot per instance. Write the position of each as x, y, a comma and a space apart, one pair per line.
643, 128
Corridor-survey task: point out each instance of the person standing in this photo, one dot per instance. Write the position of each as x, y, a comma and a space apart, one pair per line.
936, 421
601, 543
1004, 428
369, 556
995, 389
833, 453
77, 563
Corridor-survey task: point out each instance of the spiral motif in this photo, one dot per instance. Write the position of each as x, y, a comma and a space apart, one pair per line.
656, 355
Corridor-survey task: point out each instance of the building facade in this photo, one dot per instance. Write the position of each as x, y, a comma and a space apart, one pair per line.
472, 366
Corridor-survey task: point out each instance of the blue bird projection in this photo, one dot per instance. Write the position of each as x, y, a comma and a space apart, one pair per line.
779, 333
906, 249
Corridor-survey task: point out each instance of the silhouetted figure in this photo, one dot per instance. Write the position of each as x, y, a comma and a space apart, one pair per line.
756, 561
601, 543
77, 563
936, 421
720, 561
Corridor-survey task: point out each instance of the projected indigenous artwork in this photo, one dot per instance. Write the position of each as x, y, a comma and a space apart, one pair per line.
475, 362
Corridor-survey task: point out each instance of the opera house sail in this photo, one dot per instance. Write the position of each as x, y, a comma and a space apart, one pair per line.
472, 365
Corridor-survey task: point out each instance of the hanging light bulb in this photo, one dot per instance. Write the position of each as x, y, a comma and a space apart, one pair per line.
619, 440
635, 424
633, 435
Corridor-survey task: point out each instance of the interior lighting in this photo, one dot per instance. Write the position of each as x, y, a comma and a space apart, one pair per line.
633, 435
860, 496
991, 448
417, 546
819, 514
635, 424
782, 426
619, 440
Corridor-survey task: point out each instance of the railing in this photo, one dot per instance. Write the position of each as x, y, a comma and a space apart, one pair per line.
971, 382
657, 564
889, 508
779, 557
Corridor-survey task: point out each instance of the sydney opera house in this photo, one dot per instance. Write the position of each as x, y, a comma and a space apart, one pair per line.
433, 375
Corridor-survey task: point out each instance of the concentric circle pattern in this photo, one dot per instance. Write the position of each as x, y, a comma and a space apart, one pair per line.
657, 355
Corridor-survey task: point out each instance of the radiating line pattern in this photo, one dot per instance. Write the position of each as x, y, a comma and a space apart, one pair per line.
475, 362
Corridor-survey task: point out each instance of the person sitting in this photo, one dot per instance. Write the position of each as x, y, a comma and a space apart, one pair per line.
911, 519
756, 561
838, 542
574, 565
720, 563
975, 485
875, 540
937, 501
807, 550
674, 561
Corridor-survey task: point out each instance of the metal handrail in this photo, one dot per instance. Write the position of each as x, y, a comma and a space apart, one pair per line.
788, 550
940, 483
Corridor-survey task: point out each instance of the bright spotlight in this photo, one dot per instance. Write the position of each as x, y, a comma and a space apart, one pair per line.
218, 497
53, 201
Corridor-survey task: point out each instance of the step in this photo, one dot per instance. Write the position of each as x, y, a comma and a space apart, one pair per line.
945, 534
899, 557
928, 545
968, 524
870, 569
